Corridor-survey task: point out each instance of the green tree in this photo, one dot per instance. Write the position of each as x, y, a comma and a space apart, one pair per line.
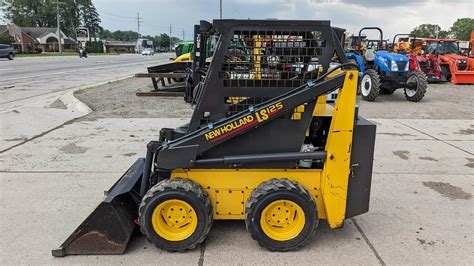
124, 35
90, 18
462, 28
429, 31
42, 13
174, 40
106, 35
164, 40
6, 39
29, 13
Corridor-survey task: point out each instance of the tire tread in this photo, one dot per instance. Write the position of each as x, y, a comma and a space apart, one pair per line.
177, 184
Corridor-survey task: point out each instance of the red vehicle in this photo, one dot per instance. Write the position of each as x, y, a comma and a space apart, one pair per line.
412, 48
455, 67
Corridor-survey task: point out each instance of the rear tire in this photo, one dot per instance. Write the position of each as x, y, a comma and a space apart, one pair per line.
419, 89
176, 214
281, 215
370, 85
11, 56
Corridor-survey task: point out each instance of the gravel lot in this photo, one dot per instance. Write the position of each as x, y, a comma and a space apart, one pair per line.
118, 100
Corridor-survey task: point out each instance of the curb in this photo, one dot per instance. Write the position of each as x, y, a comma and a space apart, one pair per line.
74, 104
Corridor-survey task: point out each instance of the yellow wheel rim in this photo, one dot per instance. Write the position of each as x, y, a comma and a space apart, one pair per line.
282, 220
174, 220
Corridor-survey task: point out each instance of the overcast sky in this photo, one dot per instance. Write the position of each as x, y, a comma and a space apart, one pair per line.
395, 16
399, 16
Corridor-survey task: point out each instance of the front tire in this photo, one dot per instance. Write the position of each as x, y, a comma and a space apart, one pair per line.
417, 84
281, 215
11, 56
446, 72
370, 85
176, 214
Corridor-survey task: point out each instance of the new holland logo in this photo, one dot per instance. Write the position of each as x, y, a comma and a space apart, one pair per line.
244, 122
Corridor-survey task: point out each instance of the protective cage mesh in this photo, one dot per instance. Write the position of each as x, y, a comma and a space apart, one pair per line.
271, 58
257, 59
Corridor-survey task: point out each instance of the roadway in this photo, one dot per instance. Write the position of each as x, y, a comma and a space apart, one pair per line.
30, 87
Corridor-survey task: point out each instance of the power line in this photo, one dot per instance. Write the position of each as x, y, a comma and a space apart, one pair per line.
110, 14
117, 20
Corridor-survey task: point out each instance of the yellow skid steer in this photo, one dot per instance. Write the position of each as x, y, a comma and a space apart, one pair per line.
262, 146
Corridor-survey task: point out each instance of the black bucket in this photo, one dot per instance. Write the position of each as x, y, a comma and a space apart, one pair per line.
108, 229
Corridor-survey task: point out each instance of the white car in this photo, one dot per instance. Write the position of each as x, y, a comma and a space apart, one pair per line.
148, 51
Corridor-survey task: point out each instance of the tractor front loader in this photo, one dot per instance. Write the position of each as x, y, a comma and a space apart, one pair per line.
456, 67
262, 146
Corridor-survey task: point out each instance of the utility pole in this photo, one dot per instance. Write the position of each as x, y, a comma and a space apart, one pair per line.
183, 34
170, 38
220, 2
138, 22
59, 27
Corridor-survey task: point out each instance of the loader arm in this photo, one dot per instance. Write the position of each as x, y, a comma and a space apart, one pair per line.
183, 152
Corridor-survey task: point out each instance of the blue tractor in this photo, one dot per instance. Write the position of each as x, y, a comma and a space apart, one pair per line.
382, 71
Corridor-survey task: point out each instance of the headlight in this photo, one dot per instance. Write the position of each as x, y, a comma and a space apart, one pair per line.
407, 66
462, 61
394, 66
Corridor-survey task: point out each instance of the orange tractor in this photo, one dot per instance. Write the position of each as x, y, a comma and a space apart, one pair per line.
456, 67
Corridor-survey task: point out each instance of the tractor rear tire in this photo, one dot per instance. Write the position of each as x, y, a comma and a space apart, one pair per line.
370, 85
421, 85
176, 214
281, 215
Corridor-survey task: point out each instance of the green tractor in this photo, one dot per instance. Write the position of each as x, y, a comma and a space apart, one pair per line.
184, 47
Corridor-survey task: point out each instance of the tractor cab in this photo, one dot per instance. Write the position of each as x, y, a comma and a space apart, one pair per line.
442, 46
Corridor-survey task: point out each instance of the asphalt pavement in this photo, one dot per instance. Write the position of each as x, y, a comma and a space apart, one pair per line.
30, 87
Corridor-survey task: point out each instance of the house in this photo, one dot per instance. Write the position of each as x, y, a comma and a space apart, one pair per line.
41, 39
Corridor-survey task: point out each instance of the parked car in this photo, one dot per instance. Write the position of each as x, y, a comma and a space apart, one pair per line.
148, 51
6, 51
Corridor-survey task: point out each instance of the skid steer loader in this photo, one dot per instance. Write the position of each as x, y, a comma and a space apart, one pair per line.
262, 146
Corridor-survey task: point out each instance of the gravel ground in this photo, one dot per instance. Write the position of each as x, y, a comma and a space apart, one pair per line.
118, 99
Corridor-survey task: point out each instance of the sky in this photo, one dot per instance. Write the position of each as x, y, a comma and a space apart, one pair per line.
399, 16
392, 16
